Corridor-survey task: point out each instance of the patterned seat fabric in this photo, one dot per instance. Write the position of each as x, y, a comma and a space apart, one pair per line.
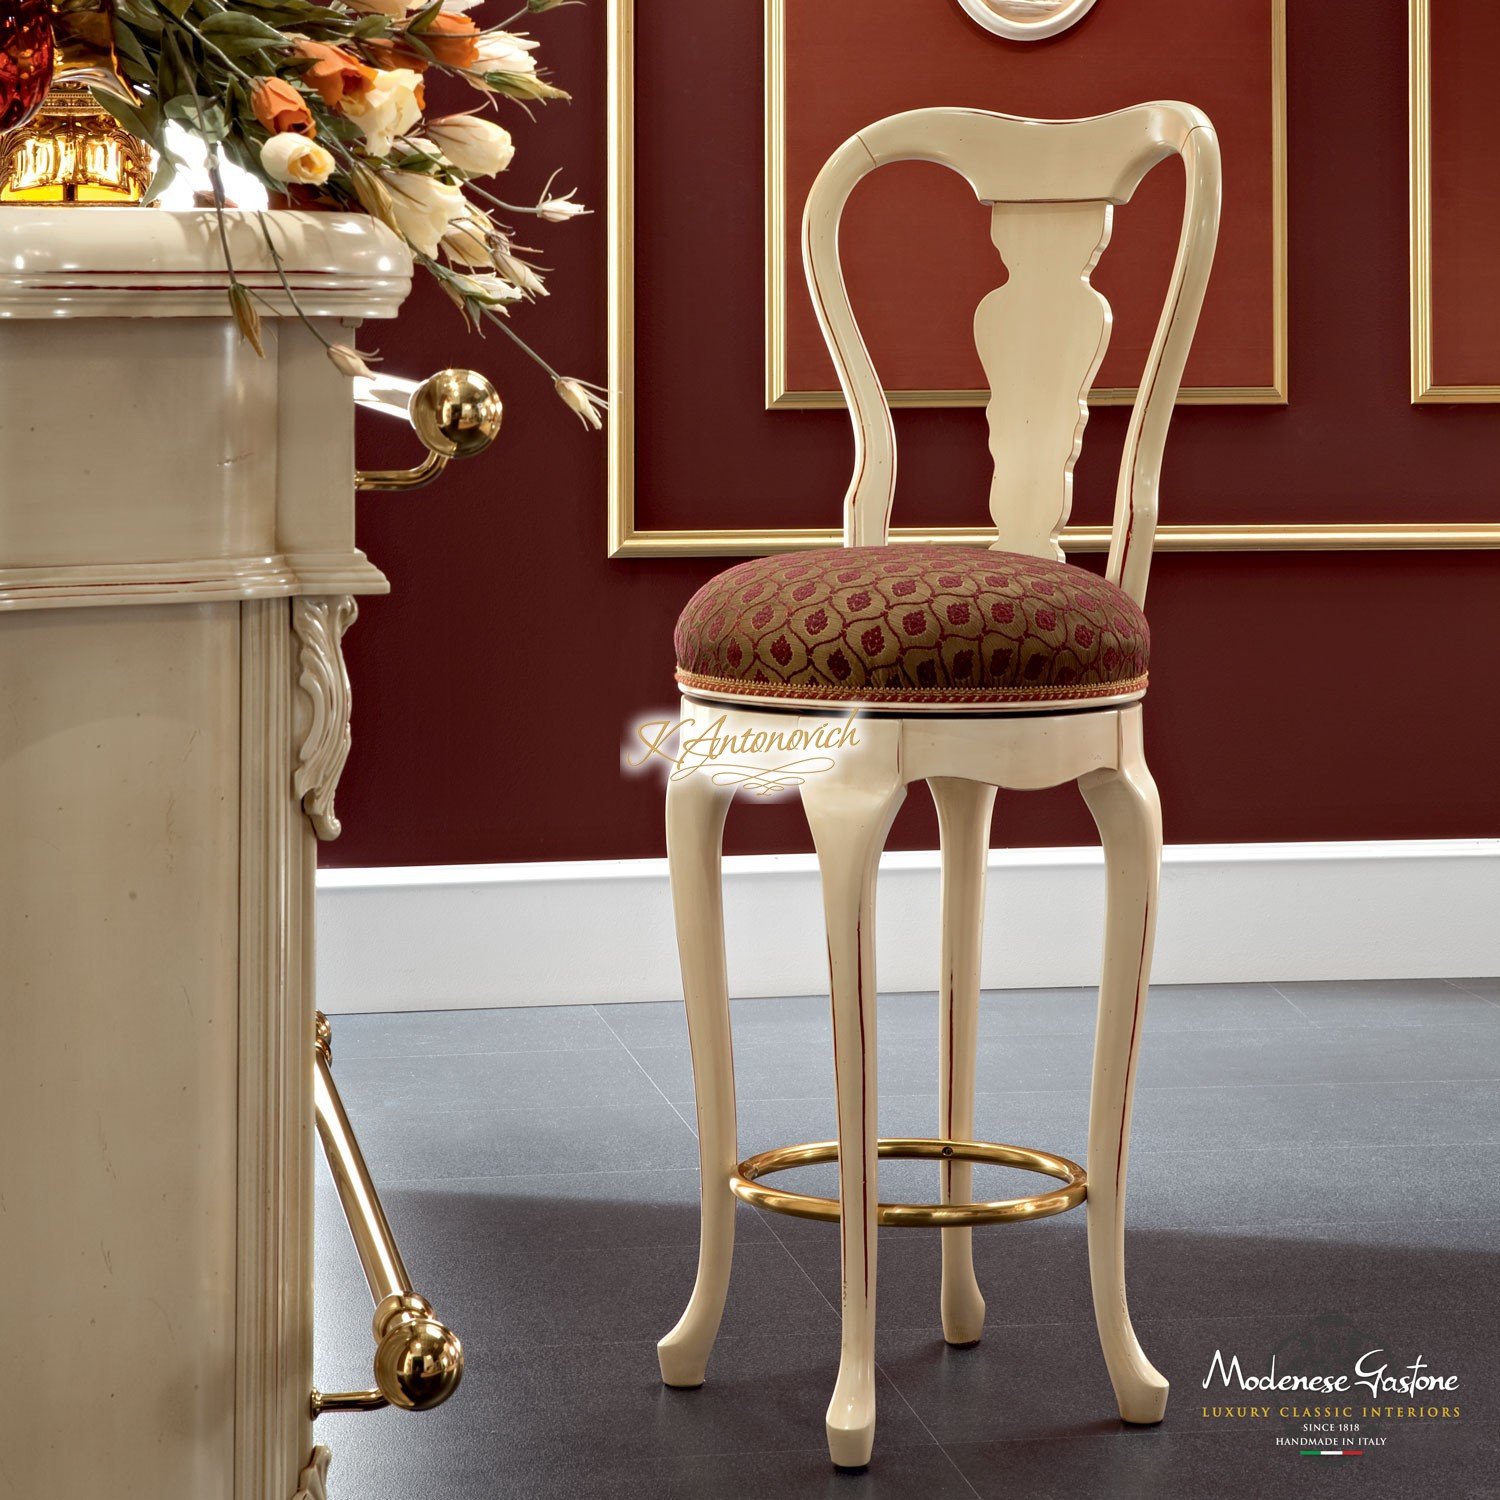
912, 623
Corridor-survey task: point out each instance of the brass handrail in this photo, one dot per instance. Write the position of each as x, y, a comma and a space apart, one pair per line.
418, 1360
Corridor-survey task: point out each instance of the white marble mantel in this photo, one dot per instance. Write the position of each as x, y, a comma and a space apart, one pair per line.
193, 468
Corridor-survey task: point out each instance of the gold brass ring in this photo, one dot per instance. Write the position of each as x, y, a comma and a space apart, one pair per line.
745, 1185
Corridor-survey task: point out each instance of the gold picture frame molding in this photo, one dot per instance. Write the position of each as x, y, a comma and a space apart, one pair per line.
625, 539
779, 396
1424, 387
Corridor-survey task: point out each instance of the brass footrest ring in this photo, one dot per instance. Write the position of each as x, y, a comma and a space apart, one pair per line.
745, 1184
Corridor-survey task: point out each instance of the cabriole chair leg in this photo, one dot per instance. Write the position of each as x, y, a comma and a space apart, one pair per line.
964, 809
1125, 807
696, 809
849, 823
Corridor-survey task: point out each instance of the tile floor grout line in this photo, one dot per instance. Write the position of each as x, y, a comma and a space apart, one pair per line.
1286, 1000
943, 1449
802, 1270
880, 1369
1463, 989
389, 1057
1083, 1035
1294, 1005
1084, 1321
1161, 1088
807, 1275
692, 1125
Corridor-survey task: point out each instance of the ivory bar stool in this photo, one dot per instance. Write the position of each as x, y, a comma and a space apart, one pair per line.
969, 668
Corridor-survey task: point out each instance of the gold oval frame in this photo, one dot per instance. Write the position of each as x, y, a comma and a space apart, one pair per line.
1064, 13
745, 1185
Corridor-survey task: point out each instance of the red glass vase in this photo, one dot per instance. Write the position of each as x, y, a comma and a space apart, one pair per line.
25, 59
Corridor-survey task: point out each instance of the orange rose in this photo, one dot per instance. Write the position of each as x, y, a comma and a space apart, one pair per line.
280, 108
391, 54
334, 72
453, 40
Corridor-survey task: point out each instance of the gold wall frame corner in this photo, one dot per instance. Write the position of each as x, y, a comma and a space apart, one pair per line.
780, 396
1425, 389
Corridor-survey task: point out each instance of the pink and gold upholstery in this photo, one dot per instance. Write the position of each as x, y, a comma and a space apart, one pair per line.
916, 624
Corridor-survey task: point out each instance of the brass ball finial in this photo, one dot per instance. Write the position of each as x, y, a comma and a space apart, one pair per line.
456, 413
418, 1361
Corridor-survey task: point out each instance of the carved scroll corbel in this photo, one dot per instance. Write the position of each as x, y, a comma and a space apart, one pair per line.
322, 711
313, 1484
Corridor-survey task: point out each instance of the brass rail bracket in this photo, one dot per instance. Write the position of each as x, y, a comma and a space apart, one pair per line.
456, 413
744, 1183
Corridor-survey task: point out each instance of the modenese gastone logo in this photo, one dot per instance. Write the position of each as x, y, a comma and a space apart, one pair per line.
1371, 1372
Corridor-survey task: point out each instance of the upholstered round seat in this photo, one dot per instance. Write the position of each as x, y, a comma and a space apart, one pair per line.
912, 624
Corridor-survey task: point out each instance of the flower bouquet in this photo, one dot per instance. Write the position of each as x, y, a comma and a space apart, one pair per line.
325, 103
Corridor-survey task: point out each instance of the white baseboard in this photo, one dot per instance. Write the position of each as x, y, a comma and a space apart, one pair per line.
468, 936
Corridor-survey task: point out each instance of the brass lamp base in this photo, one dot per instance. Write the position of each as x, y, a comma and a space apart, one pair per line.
72, 151
748, 1189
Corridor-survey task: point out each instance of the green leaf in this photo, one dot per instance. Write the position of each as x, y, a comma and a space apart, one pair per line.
203, 117
213, 124
173, 76
236, 26
425, 17
128, 45
340, 128
415, 43
140, 16
136, 73
127, 114
166, 172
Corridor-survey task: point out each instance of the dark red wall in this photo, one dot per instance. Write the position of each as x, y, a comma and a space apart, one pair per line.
1317, 696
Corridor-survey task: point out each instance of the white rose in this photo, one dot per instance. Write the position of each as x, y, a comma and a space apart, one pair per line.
468, 241
393, 8
560, 210
347, 360
477, 147
290, 157
424, 208
388, 108
504, 52
518, 273
580, 400
488, 288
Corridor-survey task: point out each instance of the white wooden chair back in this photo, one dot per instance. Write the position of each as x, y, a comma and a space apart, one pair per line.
1052, 186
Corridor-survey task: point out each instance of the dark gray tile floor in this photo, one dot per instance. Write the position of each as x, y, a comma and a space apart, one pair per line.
1314, 1170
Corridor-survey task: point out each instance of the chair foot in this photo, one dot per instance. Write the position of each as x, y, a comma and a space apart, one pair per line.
851, 1421
683, 1361
1143, 1396
962, 1308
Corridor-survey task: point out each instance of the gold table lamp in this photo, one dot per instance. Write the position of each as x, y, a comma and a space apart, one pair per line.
71, 150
